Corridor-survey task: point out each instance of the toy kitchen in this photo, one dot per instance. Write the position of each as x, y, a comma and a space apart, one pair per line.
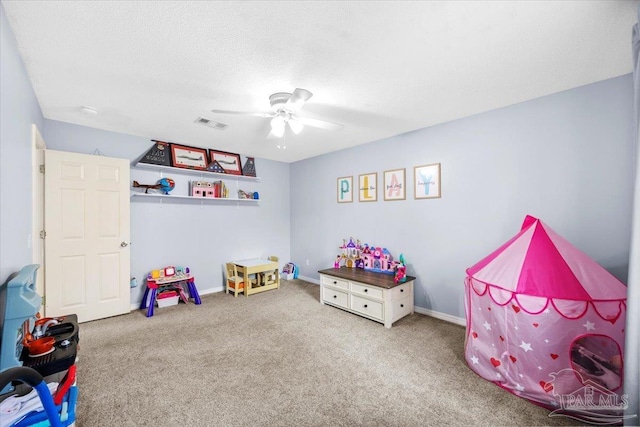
47, 345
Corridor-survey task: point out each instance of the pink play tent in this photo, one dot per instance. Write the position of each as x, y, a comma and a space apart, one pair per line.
545, 321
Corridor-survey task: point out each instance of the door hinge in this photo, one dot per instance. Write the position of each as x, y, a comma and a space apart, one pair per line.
43, 234
41, 168
44, 301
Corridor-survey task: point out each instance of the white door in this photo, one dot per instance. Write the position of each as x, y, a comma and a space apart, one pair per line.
86, 204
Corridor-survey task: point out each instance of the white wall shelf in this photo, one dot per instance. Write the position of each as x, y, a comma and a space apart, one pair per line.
190, 198
201, 173
168, 171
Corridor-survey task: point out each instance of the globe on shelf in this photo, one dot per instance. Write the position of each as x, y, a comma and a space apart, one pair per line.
166, 185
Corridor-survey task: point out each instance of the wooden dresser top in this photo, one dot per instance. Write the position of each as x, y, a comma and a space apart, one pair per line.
381, 280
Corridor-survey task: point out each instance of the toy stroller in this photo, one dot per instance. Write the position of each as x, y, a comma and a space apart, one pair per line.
59, 409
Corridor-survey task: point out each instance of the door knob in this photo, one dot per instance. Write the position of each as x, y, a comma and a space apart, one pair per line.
124, 244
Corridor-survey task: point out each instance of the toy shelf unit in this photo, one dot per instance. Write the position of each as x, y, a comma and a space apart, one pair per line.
205, 178
367, 294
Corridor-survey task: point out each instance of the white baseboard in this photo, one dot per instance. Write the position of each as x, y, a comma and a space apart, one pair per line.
309, 279
212, 290
442, 316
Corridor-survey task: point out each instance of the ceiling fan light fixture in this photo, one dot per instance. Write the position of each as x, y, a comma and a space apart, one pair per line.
277, 126
296, 126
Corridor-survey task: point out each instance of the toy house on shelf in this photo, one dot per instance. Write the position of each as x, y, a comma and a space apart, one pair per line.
213, 190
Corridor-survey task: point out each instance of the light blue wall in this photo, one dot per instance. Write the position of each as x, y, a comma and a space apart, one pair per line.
202, 236
19, 109
564, 158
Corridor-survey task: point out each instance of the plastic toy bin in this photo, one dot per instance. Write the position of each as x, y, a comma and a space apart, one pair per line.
166, 299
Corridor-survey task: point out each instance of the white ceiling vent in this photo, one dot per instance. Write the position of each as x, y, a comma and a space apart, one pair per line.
210, 123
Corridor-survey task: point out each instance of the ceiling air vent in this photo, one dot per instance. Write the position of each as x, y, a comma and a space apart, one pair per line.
210, 123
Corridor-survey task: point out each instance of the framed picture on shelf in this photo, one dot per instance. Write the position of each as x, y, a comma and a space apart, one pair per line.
345, 189
368, 187
188, 157
426, 183
394, 185
230, 162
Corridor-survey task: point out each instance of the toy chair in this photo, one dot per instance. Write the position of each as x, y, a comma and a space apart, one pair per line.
269, 277
234, 282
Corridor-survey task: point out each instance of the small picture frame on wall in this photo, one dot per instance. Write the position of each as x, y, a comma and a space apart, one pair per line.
188, 157
394, 185
345, 189
230, 162
368, 187
426, 181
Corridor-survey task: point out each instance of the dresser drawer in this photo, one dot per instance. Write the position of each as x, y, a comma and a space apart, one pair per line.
335, 282
366, 306
400, 291
370, 291
401, 307
335, 297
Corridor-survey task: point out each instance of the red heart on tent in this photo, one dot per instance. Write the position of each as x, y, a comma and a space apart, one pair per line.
489, 308
495, 362
547, 387
475, 334
515, 308
513, 359
501, 338
535, 325
553, 356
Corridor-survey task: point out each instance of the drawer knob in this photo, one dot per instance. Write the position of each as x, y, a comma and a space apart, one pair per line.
335, 283
365, 306
335, 296
366, 290
401, 290
401, 305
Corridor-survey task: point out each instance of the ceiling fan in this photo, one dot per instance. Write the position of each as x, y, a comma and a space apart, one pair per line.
284, 111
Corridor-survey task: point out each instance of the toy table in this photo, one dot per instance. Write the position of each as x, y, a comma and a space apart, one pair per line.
247, 267
177, 281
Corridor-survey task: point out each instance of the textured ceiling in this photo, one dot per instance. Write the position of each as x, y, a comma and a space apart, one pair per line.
380, 68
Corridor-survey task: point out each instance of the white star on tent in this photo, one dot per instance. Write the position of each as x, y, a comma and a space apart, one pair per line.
519, 387
546, 341
521, 376
474, 360
498, 375
516, 327
526, 346
590, 326
547, 311
487, 325
540, 368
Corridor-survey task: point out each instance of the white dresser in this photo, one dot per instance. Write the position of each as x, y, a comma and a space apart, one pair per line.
368, 294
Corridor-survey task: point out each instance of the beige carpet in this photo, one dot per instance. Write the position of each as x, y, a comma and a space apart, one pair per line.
280, 358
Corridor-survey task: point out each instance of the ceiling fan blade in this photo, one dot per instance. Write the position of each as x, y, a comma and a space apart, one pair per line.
243, 113
272, 135
297, 99
321, 124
